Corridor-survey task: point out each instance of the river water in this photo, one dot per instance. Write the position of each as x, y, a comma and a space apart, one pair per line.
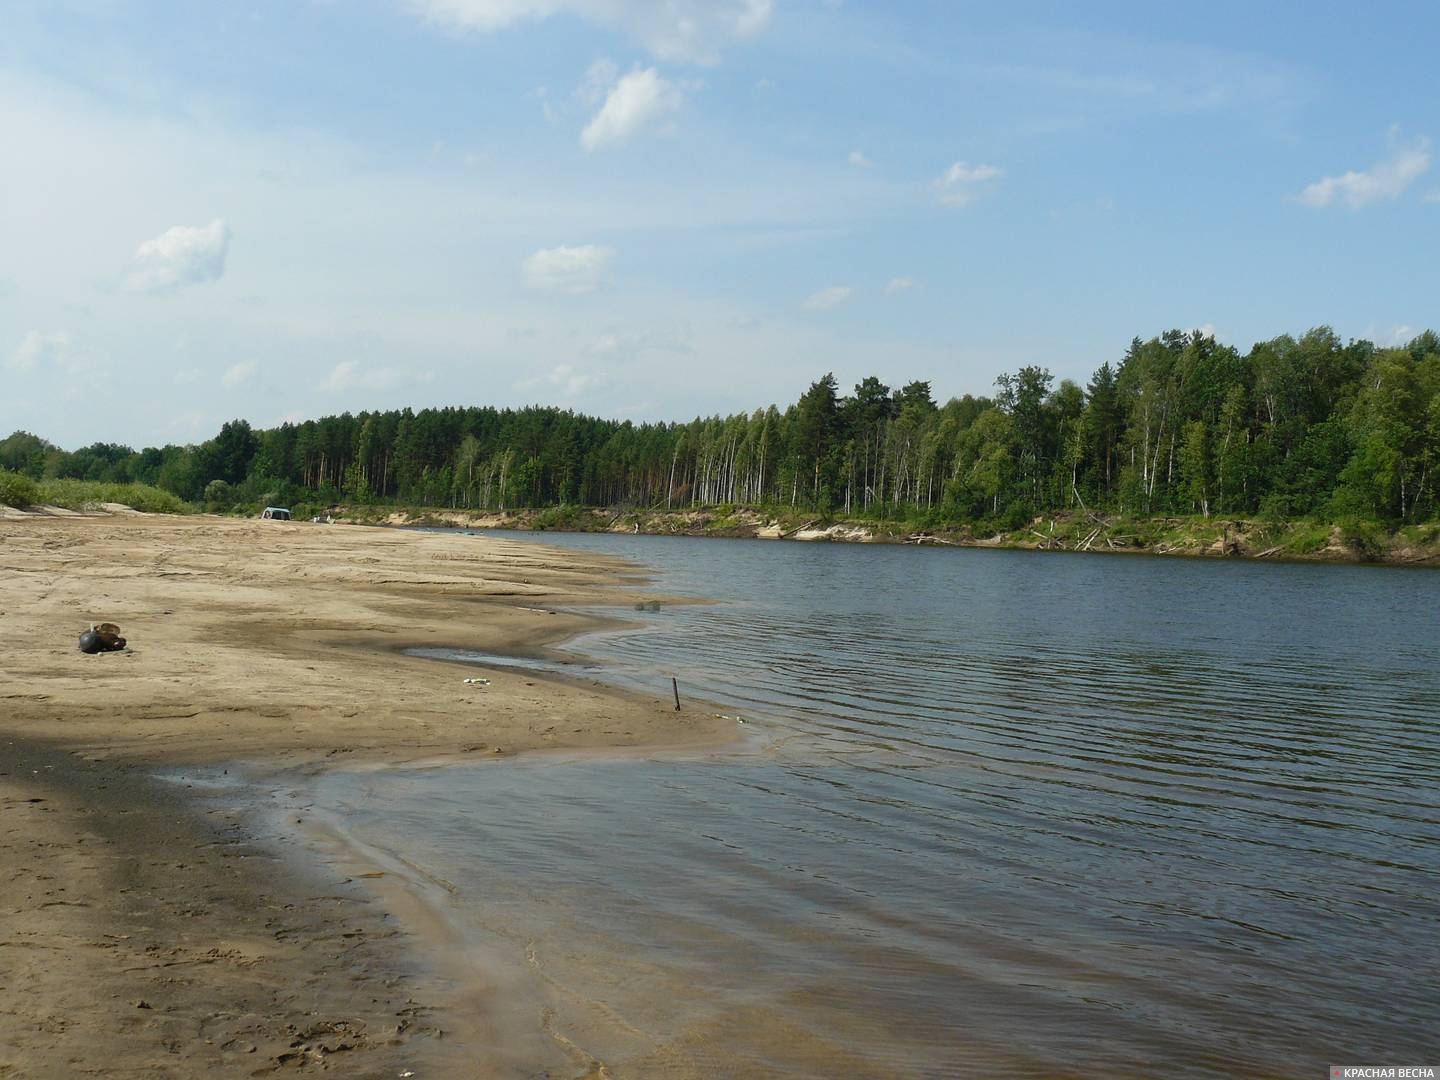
998, 814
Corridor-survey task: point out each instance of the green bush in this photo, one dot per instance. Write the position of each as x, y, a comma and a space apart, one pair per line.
1278, 508
564, 518
1365, 538
16, 489
1307, 537
83, 494
1016, 515
1425, 535
218, 496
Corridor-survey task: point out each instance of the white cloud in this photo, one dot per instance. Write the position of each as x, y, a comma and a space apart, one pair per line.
859, 160
37, 348
240, 374
600, 76
82, 370
568, 269
899, 284
52, 349
826, 299
613, 347
961, 184
565, 380
181, 255
692, 31
1384, 181
605, 345
190, 424
638, 101
349, 375
1432, 196
1390, 337
375, 296
569, 381
1206, 330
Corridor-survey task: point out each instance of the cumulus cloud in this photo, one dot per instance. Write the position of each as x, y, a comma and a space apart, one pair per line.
826, 299
568, 380
600, 76
568, 269
1390, 337
181, 255
81, 370
1382, 182
53, 349
563, 380
611, 347
1432, 196
639, 100
859, 160
349, 375
239, 374
899, 284
690, 31
961, 184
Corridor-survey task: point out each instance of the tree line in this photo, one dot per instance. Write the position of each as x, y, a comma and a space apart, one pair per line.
1307, 426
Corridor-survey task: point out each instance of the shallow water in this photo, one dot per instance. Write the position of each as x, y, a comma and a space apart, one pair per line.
1010, 814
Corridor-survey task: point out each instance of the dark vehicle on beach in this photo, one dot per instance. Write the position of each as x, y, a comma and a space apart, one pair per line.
276, 513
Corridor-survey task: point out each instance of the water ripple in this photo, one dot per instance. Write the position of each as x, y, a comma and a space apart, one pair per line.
1022, 815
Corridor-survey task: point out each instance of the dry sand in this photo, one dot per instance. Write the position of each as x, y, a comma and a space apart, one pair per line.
144, 932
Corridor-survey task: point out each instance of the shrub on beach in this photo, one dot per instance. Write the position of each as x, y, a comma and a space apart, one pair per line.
218, 496
16, 489
80, 494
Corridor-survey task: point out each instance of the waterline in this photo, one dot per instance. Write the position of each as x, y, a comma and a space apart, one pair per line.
1023, 815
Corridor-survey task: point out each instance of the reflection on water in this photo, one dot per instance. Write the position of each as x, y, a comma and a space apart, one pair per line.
1019, 815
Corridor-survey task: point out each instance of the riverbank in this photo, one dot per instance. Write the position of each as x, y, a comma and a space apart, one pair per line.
149, 935
1305, 541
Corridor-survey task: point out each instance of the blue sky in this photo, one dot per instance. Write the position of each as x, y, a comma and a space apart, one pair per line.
662, 208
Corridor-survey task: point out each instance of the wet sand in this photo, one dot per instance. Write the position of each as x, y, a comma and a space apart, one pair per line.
146, 933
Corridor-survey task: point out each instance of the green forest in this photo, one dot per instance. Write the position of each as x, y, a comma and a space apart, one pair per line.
1307, 426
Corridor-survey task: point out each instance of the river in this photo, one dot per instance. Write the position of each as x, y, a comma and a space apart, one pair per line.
998, 814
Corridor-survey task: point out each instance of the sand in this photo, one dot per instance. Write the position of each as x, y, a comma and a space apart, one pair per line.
146, 932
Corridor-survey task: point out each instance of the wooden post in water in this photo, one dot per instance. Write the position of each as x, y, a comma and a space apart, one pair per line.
675, 686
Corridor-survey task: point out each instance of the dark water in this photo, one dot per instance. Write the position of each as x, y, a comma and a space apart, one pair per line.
1005, 814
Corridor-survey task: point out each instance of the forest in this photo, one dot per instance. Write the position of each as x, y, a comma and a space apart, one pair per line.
1307, 426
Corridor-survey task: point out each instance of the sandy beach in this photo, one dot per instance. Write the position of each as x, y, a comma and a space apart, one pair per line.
146, 932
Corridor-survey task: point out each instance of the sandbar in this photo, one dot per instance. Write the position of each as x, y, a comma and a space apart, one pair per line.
148, 932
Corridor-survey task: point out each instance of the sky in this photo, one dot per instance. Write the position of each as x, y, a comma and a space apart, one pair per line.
657, 209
